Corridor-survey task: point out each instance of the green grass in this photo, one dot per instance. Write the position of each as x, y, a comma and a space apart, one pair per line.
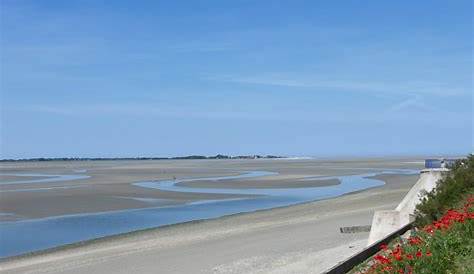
450, 246
448, 192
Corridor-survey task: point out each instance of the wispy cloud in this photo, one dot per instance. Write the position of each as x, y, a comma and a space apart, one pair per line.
202, 46
332, 83
137, 110
399, 111
155, 110
416, 102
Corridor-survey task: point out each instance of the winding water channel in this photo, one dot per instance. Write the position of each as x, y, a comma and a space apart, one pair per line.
19, 237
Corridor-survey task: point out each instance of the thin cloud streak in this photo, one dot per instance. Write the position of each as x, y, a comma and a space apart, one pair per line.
150, 110
419, 88
396, 112
416, 102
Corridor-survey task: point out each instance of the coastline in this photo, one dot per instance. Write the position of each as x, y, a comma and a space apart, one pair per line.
323, 216
128, 234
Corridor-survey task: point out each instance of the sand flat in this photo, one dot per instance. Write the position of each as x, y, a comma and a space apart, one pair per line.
90, 199
262, 183
110, 179
298, 239
11, 178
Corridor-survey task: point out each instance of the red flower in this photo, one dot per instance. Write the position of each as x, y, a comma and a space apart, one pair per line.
429, 229
414, 240
439, 225
382, 259
397, 253
386, 260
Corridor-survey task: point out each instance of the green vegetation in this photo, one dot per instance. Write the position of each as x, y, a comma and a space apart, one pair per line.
444, 246
190, 157
443, 238
464, 264
448, 193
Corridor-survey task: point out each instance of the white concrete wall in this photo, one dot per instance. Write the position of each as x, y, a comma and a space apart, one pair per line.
427, 182
385, 222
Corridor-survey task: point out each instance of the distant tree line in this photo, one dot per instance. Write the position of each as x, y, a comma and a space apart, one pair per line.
190, 157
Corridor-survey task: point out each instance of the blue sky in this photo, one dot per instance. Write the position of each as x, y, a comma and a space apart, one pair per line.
165, 78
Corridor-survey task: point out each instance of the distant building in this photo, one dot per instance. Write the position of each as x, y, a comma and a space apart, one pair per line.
439, 163
432, 163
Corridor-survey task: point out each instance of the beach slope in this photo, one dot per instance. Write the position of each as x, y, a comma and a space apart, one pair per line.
298, 239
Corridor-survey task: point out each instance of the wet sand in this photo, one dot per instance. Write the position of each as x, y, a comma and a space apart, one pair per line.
297, 239
109, 186
89, 199
262, 183
11, 178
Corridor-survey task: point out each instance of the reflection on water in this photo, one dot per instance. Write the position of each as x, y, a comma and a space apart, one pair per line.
41, 178
31, 235
44, 178
35, 189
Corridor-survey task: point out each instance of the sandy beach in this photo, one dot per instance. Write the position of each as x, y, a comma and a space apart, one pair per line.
109, 185
230, 136
297, 239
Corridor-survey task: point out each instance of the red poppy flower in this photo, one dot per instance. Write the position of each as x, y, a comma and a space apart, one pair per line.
382, 259
414, 240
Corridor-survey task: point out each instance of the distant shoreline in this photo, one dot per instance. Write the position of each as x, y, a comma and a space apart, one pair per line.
324, 216
189, 157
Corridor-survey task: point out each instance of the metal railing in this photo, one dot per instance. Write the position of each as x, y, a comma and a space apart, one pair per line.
360, 257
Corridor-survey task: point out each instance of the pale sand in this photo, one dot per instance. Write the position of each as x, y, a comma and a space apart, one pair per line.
262, 183
298, 239
12, 178
109, 187
90, 198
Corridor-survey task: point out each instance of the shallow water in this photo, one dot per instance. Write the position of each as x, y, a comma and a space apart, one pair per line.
19, 237
47, 178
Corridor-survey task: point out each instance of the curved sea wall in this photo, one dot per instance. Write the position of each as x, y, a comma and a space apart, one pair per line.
386, 222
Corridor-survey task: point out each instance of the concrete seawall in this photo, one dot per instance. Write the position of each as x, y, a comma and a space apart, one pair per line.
385, 222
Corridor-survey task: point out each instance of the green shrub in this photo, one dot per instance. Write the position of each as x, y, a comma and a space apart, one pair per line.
448, 192
443, 240
444, 246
